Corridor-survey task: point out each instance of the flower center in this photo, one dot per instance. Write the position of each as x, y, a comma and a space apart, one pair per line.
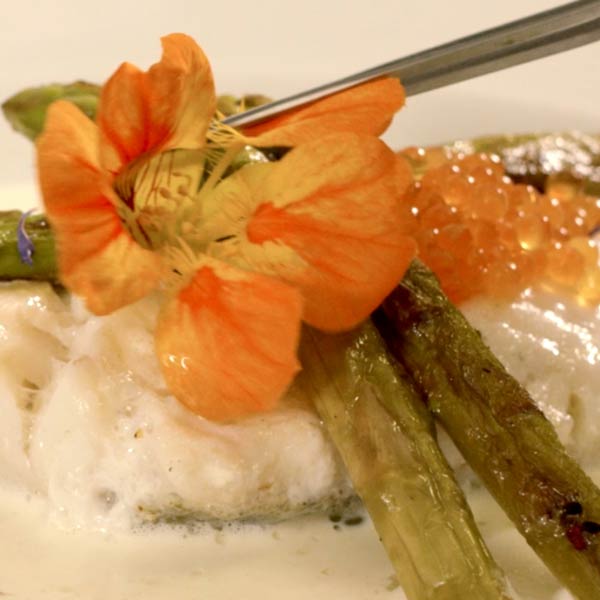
156, 191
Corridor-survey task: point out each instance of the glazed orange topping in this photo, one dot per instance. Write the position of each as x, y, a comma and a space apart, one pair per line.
483, 234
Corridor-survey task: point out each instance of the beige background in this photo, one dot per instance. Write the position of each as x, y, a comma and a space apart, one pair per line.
278, 47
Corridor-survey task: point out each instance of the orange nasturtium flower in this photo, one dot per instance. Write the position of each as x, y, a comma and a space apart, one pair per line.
147, 199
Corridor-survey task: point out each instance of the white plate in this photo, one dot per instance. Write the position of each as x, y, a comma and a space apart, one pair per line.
276, 48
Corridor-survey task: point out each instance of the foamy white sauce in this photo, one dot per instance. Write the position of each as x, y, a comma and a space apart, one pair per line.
303, 558
307, 557
300, 559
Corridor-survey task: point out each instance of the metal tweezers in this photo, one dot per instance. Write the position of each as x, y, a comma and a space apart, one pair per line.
543, 34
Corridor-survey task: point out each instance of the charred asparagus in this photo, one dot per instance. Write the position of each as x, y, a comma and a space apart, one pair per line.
501, 433
386, 437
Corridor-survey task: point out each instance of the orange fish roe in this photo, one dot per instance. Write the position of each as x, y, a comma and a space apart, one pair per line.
483, 234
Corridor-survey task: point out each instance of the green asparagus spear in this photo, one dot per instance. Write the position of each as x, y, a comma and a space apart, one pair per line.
385, 435
26, 111
13, 264
231, 105
501, 433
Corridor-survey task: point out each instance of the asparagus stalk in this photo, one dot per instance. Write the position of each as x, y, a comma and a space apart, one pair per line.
14, 264
231, 105
386, 438
502, 434
26, 111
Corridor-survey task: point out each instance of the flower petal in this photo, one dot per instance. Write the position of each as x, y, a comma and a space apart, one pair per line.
97, 257
169, 106
227, 342
364, 109
335, 204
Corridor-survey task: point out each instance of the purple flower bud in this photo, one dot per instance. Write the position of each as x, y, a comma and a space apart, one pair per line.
24, 243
